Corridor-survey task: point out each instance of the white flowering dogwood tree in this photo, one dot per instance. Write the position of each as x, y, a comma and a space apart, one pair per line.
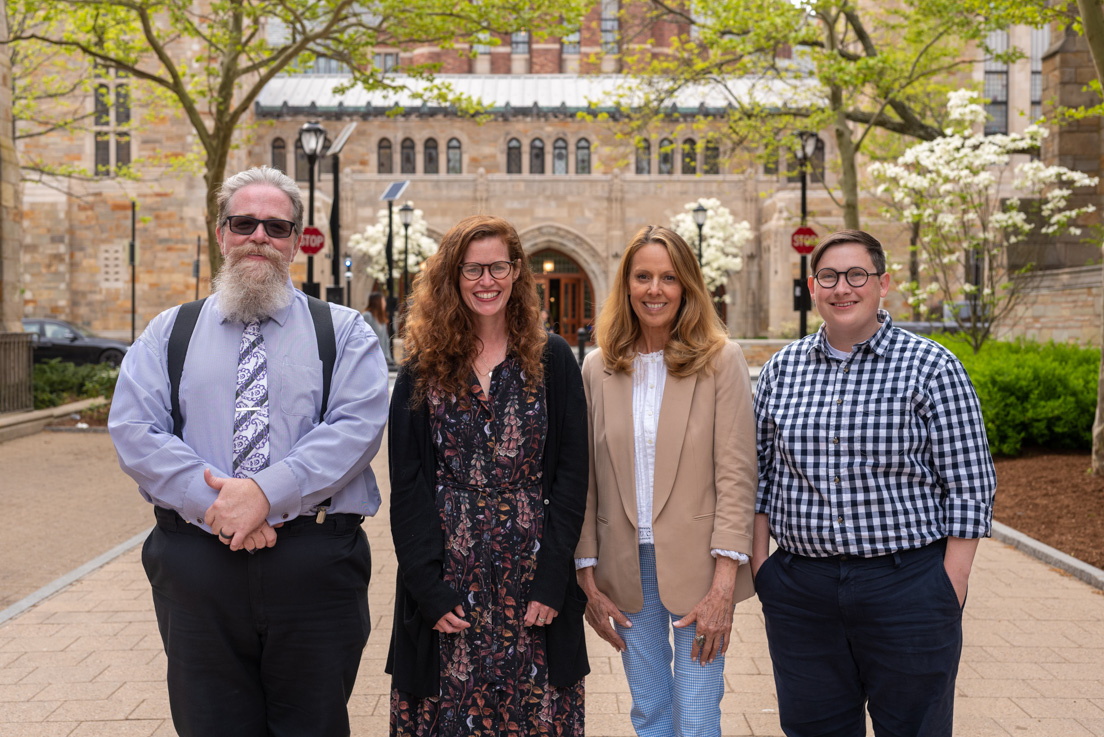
971, 205
723, 239
372, 244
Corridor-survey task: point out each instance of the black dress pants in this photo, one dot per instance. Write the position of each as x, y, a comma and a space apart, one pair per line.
848, 632
262, 645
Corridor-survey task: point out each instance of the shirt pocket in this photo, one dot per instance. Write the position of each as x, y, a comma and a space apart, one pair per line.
298, 388
884, 427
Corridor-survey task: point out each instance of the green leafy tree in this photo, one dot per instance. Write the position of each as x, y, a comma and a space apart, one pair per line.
210, 60
864, 71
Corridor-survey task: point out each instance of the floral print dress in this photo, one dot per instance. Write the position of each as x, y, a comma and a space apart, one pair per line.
494, 674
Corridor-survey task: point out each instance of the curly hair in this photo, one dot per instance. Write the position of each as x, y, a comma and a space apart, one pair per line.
439, 335
697, 334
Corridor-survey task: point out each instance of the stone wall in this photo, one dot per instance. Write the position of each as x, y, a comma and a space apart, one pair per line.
1063, 305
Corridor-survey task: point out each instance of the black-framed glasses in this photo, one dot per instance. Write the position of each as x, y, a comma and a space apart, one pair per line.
856, 276
499, 269
245, 225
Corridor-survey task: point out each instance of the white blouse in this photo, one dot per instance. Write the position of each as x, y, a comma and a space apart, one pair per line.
648, 379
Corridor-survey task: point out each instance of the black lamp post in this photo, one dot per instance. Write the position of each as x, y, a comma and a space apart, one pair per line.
700, 214
406, 215
806, 147
311, 138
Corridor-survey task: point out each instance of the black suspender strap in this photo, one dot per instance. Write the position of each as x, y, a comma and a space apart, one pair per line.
181, 335
179, 339
327, 346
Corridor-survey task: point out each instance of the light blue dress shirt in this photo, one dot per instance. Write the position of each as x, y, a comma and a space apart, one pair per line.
309, 461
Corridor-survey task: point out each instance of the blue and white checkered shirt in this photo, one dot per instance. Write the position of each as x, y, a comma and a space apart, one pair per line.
880, 452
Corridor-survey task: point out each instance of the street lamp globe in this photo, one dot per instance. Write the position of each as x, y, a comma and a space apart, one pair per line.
700, 214
311, 138
807, 143
406, 215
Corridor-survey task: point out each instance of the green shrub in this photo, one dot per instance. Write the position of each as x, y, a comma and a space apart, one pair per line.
57, 382
1033, 394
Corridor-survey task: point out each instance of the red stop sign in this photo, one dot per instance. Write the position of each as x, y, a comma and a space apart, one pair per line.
313, 240
804, 240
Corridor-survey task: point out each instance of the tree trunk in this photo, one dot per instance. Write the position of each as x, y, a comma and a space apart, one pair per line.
849, 175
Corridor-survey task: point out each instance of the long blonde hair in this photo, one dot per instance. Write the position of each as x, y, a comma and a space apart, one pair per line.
697, 334
439, 334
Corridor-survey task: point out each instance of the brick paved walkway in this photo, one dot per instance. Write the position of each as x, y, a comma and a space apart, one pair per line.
88, 660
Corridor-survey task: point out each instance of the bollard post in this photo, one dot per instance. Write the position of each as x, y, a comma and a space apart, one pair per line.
581, 335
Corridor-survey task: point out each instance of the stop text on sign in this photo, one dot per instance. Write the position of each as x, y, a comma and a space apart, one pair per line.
313, 240
804, 240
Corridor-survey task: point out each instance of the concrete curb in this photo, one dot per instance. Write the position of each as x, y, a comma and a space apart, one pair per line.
21, 424
58, 584
1078, 569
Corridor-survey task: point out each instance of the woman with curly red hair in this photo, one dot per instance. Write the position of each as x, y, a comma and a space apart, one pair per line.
488, 632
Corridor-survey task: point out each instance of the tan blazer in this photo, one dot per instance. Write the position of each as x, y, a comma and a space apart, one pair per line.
704, 487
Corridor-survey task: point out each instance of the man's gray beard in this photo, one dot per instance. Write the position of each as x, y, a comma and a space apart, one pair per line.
250, 290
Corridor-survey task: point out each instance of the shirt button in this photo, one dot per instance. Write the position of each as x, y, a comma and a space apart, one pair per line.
199, 521
846, 369
835, 480
840, 518
285, 516
546, 502
839, 401
835, 441
651, 386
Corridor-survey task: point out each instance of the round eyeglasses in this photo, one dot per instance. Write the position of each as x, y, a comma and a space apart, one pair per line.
856, 276
499, 269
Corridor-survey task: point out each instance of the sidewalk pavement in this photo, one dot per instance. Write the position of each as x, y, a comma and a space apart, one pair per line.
88, 660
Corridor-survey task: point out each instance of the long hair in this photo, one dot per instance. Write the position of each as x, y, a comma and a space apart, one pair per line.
376, 307
697, 334
439, 337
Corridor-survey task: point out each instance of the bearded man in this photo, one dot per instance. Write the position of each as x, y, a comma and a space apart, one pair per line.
261, 434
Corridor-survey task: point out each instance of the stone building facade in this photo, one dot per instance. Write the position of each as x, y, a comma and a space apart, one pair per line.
574, 210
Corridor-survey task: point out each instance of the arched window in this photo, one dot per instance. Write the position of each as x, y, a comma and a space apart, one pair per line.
816, 166
644, 157
582, 156
279, 154
454, 160
513, 156
325, 161
559, 156
666, 156
386, 162
302, 171
711, 159
429, 154
407, 157
536, 156
689, 156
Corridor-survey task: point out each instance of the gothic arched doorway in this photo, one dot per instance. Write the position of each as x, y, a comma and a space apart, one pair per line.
565, 292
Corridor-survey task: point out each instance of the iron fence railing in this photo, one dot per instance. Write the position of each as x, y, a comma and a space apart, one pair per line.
16, 374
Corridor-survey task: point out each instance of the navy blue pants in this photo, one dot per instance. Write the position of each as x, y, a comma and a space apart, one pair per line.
261, 645
845, 631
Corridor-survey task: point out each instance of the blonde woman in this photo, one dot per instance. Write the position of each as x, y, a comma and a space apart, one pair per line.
670, 506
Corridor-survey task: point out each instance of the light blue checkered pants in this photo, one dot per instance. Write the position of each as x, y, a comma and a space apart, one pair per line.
685, 702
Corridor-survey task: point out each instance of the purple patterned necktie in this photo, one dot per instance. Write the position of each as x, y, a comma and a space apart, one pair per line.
251, 405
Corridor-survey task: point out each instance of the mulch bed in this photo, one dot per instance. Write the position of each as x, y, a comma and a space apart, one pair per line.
1052, 497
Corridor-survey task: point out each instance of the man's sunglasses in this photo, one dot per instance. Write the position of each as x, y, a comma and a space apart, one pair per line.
245, 225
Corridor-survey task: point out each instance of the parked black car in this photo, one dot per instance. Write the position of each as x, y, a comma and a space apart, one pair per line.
64, 340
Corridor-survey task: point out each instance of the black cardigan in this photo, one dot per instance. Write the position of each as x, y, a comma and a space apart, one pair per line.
422, 597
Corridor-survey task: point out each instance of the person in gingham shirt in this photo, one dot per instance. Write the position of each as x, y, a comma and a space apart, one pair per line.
876, 481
